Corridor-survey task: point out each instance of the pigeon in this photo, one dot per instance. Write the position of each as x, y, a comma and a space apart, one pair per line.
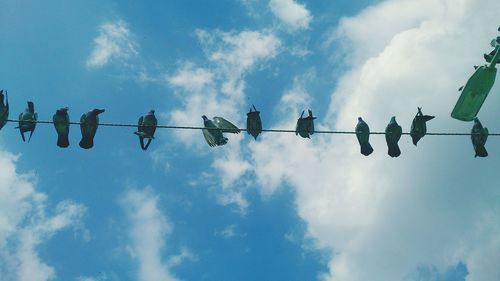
4, 109
214, 128
363, 135
27, 120
254, 124
305, 125
88, 125
61, 123
146, 128
393, 133
418, 126
479, 135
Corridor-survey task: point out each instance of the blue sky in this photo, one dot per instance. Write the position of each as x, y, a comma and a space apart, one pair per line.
280, 208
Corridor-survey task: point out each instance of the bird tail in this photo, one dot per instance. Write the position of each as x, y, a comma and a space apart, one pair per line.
62, 140
480, 151
366, 149
394, 150
87, 142
415, 139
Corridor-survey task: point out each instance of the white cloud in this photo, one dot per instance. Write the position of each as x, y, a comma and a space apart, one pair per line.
114, 42
26, 223
382, 218
291, 13
218, 90
148, 231
228, 232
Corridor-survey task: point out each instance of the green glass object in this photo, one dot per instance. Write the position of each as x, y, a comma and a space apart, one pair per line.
146, 128
419, 126
478, 87
479, 135
363, 135
393, 133
61, 123
88, 126
214, 128
27, 120
254, 124
305, 125
4, 109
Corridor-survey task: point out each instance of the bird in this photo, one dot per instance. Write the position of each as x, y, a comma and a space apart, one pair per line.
214, 128
27, 120
418, 126
61, 123
4, 109
146, 128
393, 133
363, 135
305, 125
88, 126
254, 124
479, 135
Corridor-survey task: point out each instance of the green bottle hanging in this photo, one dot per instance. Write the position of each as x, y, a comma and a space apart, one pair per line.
478, 87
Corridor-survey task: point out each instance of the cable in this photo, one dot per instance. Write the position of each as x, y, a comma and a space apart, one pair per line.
263, 130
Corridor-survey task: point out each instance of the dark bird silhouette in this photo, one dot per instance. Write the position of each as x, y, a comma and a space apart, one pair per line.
4, 109
254, 124
305, 125
479, 135
363, 135
418, 126
61, 123
214, 128
393, 133
88, 126
146, 128
27, 120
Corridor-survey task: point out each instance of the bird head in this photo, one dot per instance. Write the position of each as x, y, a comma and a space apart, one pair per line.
96, 111
204, 118
476, 121
62, 110
31, 106
151, 112
360, 119
393, 119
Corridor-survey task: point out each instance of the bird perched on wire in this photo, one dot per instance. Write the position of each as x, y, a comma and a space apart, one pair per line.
418, 126
393, 133
305, 125
214, 128
479, 135
27, 120
61, 123
4, 109
254, 124
363, 135
146, 128
88, 126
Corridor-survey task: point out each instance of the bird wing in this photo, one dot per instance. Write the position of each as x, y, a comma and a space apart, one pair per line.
225, 126
209, 138
427, 118
139, 124
83, 123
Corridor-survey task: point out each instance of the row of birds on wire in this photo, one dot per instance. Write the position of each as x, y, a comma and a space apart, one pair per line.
214, 128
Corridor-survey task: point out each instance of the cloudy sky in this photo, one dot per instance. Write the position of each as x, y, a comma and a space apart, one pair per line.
279, 208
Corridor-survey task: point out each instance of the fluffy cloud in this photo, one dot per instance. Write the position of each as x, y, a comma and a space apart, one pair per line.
114, 42
291, 13
383, 218
148, 231
26, 223
219, 91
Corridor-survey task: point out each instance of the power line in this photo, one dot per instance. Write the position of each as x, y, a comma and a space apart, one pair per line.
263, 130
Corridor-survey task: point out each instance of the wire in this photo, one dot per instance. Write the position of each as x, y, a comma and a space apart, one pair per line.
263, 130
